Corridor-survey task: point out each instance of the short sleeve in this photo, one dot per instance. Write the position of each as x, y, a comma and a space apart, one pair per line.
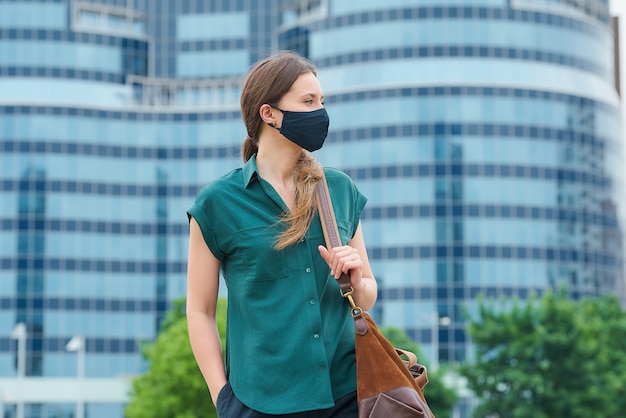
359, 204
199, 212
348, 201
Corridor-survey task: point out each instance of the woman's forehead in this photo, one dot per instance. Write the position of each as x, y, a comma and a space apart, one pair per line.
306, 84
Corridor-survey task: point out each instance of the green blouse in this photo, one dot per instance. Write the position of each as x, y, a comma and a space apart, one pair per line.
290, 336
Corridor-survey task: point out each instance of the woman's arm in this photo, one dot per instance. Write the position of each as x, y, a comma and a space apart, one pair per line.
353, 258
202, 290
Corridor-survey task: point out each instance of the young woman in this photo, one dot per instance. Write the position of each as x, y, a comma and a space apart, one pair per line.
290, 336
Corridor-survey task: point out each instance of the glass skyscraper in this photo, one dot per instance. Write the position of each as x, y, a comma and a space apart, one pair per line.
485, 133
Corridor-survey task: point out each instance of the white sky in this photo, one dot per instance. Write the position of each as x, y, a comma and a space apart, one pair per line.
618, 6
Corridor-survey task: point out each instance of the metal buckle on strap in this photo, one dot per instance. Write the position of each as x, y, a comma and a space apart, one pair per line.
347, 293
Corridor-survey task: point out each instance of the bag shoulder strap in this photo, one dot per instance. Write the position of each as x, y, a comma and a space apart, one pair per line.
333, 239
329, 225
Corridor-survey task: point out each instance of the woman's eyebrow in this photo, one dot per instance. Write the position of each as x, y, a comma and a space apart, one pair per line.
312, 95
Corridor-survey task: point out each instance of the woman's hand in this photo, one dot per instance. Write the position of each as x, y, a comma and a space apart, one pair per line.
346, 260
353, 258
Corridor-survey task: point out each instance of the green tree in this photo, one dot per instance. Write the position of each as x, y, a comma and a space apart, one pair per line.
552, 357
440, 398
173, 386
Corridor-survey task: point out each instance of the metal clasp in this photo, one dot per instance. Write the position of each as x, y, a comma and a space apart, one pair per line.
347, 293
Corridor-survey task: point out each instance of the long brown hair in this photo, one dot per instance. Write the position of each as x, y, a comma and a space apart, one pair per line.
267, 82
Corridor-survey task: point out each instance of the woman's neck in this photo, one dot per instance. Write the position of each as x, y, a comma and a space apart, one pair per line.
276, 167
276, 163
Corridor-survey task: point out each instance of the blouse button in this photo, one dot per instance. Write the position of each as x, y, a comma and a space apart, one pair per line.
308, 269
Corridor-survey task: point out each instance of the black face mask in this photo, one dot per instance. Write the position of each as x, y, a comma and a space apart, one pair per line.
306, 129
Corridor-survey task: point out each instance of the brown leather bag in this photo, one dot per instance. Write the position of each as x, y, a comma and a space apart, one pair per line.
387, 386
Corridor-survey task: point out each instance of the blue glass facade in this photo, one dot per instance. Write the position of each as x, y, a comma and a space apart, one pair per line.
486, 134
112, 115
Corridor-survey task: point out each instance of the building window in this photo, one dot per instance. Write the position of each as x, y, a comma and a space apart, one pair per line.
300, 12
91, 17
591, 8
295, 16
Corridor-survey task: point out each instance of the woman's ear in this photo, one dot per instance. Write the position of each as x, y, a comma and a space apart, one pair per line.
266, 113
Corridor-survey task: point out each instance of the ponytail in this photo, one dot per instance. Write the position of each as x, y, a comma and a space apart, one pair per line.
249, 147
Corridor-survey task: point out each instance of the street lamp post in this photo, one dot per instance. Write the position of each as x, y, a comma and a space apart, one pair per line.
443, 321
20, 334
77, 344
436, 323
